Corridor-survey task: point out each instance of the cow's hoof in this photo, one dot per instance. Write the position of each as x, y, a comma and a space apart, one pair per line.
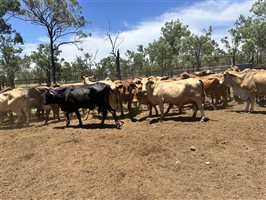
203, 119
160, 119
119, 124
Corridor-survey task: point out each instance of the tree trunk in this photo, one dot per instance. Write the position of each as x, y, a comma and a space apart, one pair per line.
198, 64
53, 61
234, 58
257, 58
252, 59
11, 81
118, 65
48, 75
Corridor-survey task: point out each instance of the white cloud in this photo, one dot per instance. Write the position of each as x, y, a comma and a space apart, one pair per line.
28, 48
221, 14
44, 39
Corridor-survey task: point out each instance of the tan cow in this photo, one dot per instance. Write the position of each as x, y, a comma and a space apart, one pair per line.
36, 95
142, 95
247, 85
15, 101
177, 93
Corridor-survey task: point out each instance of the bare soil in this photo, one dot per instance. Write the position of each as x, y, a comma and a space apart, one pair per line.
179, 158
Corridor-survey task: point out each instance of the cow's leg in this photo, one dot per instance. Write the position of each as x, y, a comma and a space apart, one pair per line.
161, 110
247, 106
78, 116
56, 112
156, 111
121, 105
1, 119
195, 109
86, 113
199, 106
47, 113
104, 113
168, 109
150, 110
11, 117
252, 102
67, 119
19, 117
212, 97
117, 122
129, 107
27, 115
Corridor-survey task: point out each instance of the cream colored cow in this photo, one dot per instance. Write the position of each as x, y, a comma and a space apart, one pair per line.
246, 85
177, 93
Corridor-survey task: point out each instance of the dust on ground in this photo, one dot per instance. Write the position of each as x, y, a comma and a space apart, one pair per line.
179, 158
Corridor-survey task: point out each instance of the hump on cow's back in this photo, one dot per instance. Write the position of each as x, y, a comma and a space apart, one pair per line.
99, 86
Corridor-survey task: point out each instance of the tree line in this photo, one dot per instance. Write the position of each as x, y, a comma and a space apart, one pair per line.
177, 48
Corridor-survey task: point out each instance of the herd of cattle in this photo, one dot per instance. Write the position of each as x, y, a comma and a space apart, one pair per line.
107, 95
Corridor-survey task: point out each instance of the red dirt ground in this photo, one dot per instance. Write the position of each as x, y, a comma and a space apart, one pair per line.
146, 159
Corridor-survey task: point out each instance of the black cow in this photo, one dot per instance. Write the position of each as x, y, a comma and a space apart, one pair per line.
71, 98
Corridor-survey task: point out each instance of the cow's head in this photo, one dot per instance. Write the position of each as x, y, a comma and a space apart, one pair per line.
87, 79
49, 97
148, 83
128, 87
232, 78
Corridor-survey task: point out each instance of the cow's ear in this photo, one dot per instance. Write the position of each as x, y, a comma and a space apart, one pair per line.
119, 86
151, 82
132, 84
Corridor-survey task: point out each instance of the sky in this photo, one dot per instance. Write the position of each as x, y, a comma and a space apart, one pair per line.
139, 22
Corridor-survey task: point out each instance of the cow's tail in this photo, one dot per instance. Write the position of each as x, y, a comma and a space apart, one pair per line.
204, 96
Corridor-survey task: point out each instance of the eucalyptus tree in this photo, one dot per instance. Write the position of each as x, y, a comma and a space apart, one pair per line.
25, 70
9, 40
8, 9
199, 46
160, 55
106, 68
137, 60
232, 44
83, 64
175, 33
62, 20
42, 60
252, 30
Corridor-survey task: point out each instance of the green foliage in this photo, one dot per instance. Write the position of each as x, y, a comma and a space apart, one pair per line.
42, 60
252, 30
61, 19
9, 38
8, 8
